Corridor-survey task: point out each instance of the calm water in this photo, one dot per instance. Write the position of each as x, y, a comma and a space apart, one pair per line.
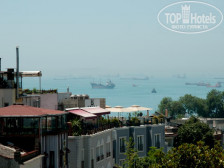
124, 94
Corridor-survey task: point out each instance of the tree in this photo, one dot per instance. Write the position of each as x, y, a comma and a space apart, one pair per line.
176, 109
189, 103
153, 159
215, 102
193, 131
165, 104
131, 153
201, 107
194, 155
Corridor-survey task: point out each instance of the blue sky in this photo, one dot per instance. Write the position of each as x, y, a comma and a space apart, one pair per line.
72, 38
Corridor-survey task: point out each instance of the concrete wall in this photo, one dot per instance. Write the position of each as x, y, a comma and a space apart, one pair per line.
217, 123
8, 163
49, 101
32, 100
63, 96
84, 148
7, 96
93, 102
33, 163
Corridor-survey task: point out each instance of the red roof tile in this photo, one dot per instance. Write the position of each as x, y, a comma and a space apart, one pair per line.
23, 110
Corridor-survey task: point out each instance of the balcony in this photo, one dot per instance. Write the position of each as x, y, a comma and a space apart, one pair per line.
82, 128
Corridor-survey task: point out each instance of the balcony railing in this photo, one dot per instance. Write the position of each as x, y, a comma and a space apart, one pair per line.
88, 129
19, 131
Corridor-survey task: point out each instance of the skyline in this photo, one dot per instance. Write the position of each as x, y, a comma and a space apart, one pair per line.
104, 37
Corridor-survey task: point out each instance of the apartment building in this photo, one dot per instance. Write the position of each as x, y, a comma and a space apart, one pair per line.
35, 132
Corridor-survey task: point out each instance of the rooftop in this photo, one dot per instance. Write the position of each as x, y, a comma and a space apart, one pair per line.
27, 111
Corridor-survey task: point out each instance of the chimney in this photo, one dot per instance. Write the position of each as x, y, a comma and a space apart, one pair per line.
166, 113
17, 72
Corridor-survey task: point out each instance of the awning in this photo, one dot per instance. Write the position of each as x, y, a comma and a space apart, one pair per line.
31, 73
96, 110
82, 113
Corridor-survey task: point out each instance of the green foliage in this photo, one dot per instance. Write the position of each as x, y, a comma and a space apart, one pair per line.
104, 121
189, 103
212, 106
176, 109
185, 156
153, 159
115, 122
76, 127
165, 104
193, 131
194, 155
135, 121
132, 159
215, 102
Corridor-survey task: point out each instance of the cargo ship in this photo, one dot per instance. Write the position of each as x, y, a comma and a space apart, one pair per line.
109, 85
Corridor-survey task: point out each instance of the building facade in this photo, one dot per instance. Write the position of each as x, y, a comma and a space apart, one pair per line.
107, 148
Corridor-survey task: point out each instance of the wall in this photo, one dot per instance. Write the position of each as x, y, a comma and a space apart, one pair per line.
54, 143
7, 96
147, 131
8, 163
49, 101
93, 102
31, 100
83, 148
33, 163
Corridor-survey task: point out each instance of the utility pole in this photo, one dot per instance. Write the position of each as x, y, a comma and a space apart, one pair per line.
17, 72
0, 64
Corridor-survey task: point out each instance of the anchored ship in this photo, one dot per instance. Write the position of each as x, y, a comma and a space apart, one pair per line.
109, 85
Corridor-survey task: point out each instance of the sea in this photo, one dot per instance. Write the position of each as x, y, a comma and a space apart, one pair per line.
129, 91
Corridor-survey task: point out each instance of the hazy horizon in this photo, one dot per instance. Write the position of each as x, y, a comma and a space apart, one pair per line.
97, 38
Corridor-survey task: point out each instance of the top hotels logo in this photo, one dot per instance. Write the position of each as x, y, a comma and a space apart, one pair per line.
190, 17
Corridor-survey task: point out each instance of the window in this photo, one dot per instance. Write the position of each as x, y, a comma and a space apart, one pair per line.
122, 144
157, 140
82, 162
101, 152
92, 159
52, 159
140, 142
121, 163
6, 104
108, 149
97, 153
